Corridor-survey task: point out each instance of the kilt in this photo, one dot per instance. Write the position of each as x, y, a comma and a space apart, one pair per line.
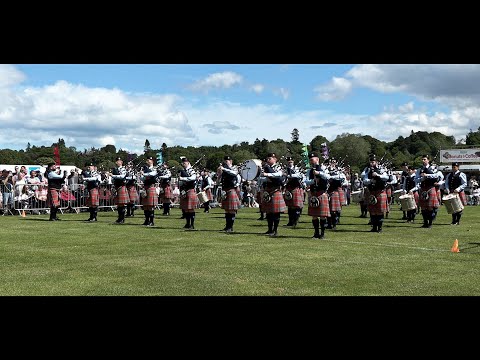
151, 200
232, 202
432, 202
166, 196
122, 196
463, 198
322, 211
334, 203
276, 204
388, 191
343, 198
209, 194
381, 206
132, 194
104, 194
93, 199
53, 198
190, 202
297, 199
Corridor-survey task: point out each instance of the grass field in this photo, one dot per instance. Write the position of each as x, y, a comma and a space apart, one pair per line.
71, 257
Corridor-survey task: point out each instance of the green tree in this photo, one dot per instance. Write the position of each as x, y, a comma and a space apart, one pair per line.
473, 138
317, 141
353, 149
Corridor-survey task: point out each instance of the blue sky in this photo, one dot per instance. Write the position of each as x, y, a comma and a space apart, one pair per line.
193, 105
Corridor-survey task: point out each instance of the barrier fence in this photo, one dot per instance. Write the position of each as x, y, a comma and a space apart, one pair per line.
32, 198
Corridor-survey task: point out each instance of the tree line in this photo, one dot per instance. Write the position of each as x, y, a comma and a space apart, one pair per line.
353, 149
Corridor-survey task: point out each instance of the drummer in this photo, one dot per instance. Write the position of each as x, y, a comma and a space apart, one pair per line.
455, 183
408, 186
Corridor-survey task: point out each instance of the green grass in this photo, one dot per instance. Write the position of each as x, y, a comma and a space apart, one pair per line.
70, 257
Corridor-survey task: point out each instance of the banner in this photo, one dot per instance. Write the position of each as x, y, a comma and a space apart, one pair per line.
324, 150
160, 157
460, 155
305, 156
56, 155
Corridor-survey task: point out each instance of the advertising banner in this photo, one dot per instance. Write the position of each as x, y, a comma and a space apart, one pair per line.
460, 155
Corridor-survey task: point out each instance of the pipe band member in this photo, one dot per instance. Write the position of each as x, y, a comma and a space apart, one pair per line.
231, 202
55, 182
92, 179
188, 197
455, 183
151, 199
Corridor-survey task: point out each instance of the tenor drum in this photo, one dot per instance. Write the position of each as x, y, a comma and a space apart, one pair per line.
251, 169
408, 202
202, 197
357, 196
397, 194
452, 203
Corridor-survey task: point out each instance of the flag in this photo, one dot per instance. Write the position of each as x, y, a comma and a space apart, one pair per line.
305, 156
160, 157
56, 154
324, 150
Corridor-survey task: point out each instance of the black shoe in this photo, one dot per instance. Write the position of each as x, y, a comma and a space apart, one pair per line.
273, 234
289, 224
52, 219
261, 218
151, 224
120, 222
268, 233
186, 226
316, 236
190, 228
229, 231
373, 230
88, 220
379, 230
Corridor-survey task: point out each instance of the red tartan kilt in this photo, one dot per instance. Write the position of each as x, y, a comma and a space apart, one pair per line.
343, 198
276, 204
322, 211
297, 199
122, 197
53, 198
432, 202
388, 191
190, 202
381, 206
232, 202
209, 194
132, 194
151, 200
335, 204
166, 196
463, 198
93, 199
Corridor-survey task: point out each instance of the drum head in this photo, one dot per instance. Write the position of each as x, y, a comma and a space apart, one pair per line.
251, 169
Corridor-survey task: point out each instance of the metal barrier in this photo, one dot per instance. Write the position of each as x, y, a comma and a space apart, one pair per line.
32, 198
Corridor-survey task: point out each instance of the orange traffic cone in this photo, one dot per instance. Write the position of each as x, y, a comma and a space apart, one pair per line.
455, 248
23, 213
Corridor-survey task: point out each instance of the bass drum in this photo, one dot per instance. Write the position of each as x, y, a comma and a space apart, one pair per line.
251, 169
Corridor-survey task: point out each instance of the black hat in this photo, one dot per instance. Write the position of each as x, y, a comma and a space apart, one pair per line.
149, 157
289, 158
89, 163
426, 156
455, 164
183, 158
118, 158
271, 155
404, 163
373, 157
50, 164
227, 157
312, 154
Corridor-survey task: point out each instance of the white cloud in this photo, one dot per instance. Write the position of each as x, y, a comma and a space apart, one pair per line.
223, 80
258, 88
282, 92
9, 75
337, 89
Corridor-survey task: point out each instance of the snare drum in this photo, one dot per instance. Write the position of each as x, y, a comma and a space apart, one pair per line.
408, 202
357, 196
202, 197
452, 203
251, 169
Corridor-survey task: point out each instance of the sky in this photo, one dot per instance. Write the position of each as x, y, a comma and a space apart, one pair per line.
93, 105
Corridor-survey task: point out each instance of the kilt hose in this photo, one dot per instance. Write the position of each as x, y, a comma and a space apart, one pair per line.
323, 210
381, 206
334, 203
232, 203
151, 200
276, 204
53, 200
122, 197
190, 202
93, 199
297, 199
432, 202
132, 194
